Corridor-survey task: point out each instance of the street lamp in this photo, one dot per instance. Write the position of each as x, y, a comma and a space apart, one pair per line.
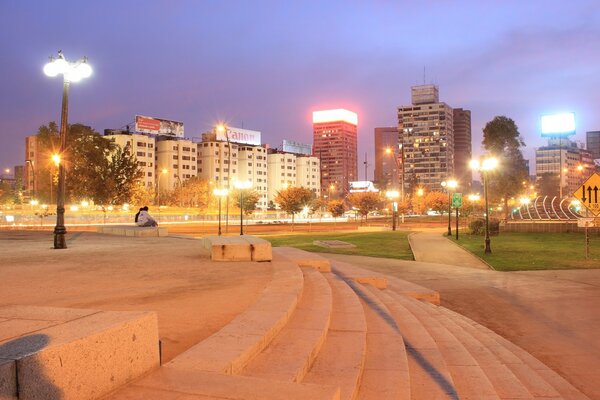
220, 193
241, 186
56, 160
331, 189
488, 164
449, 184
224, 130
71, 72
399, 170
162, 172
393, 195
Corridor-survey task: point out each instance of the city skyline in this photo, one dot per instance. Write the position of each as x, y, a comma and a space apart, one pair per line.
268, 66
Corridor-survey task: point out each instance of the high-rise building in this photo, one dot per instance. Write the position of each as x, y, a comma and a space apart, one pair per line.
462, 147
177, 158
335, 144
142, 146
214, 162
308, 173
252, 163
32, 164
593, 143
426, 132
281, 172
387, 157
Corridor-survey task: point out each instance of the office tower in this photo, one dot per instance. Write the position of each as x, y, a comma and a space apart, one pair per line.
387, 157
335, 144
252, 163
462, 148
593, 143
426, 133
175, 161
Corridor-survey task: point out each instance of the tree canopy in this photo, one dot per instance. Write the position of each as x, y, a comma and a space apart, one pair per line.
293, 199
501, 138
365, 202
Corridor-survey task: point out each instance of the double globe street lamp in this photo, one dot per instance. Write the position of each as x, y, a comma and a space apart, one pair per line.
71, 72
449, 185
484, 167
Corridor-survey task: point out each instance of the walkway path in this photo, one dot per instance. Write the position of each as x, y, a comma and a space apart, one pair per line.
431, 246
552, 314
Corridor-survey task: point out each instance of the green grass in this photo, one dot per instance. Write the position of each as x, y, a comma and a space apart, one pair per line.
373, 244
535, 251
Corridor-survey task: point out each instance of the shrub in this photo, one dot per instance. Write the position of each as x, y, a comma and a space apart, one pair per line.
477, 226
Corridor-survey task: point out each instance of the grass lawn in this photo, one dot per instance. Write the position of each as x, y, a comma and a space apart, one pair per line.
535, 251
386, 244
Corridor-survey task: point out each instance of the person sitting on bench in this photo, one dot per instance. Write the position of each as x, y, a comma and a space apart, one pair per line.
145, 219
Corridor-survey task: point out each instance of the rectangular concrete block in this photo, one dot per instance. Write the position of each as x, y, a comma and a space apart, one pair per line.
8, 380
260, 249
305, 259
84, 358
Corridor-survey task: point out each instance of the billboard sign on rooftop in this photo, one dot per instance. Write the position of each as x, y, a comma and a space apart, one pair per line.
557, 125
158, 126
239, 135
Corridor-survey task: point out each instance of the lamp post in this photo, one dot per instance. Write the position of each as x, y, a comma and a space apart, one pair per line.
56, 160
72, 72
393, 195
162, 172
220, 193
449, 184
32, 191
224, 130
241, 186
488, 164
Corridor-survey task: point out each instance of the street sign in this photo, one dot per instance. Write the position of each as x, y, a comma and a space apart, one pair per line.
588, 194
456, 200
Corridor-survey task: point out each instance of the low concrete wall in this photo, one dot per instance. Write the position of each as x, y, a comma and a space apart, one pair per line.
545, 227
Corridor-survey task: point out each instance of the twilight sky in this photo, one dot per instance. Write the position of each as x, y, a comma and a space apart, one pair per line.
267, 65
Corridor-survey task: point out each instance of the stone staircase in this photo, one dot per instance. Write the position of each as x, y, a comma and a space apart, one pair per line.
349, 334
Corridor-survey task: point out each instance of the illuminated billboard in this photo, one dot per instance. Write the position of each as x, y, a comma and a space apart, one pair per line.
158, 126
239, 135
335, 115
558, 124
290, 146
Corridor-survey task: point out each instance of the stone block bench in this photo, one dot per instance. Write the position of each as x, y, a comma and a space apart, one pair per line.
133, 230
52, 353
238, 248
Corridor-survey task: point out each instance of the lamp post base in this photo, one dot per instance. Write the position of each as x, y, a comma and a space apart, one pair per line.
59, 237
487, 249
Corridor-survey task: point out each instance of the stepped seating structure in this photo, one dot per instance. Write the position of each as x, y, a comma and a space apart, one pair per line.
349, 334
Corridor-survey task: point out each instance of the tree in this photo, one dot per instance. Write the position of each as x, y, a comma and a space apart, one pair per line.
336, 208
502, 139
251, 198
437, 201
418, 203
292, 200
365, 202
193, 192
548, 185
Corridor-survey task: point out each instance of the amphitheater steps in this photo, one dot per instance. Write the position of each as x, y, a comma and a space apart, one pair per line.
293, 351
342, 358
541, 381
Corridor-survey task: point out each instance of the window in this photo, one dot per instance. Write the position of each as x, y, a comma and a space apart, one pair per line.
175, 157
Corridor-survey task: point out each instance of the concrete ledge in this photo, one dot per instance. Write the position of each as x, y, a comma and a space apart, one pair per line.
305, 258
133, 230
230, 349
238, 248
81, 357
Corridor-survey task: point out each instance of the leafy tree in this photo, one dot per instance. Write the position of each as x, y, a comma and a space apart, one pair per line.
293, 199
403, 206
501, 138
142, 195
251, 199
548, 185
437, 201
418, 203
336, 208
365, 202
193, 192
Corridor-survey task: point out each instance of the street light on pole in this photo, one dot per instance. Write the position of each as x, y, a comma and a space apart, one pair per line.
241, 186
220, 193
71, 72
449, 185
488, 164
393, 195
56, 160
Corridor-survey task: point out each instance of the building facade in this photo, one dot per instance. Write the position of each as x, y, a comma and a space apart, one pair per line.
217, 164
593, 143
143, 147
426, 133
335, 145
463, 152
281, 172
252, 162
387, 157
175, 161
308, 173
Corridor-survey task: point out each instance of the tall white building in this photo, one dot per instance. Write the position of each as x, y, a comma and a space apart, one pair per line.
216, 164
308, 173
143, 147
252, 162
177, 158
281, 172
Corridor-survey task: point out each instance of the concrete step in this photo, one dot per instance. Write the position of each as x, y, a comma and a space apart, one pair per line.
430, 377
180, 384
292, 352
230, 349
341, 360
530, 378
506, 384
52, 353
385, 374
304, 258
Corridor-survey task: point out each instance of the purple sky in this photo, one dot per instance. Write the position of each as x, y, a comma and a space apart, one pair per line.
269, 64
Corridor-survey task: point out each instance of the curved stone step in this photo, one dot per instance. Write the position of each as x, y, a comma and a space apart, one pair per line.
385, 374
231, 348
342, 357
293, 351
505, 384
513, 357
430, 377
